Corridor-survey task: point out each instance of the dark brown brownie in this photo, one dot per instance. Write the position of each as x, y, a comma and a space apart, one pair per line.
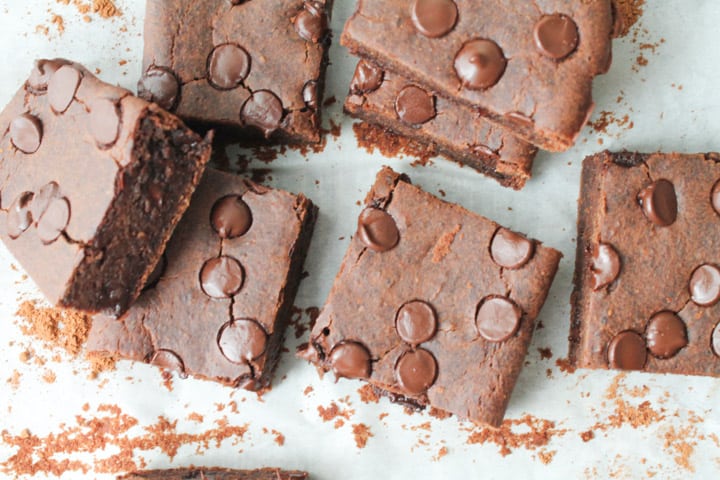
254, 67
218, 305
526, 65
385, 98
216, 474
647, 278
433, 305
93, 181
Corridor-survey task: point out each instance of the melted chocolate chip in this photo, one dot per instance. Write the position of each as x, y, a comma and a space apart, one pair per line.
350, 360
42, 72
227, 66
105, 122
377, 230
168, 360
231, 217
605, 266
54, 221
479, 64
416, 371
497, 319
263, 110
416, 322
659, 202
510, 250
627, 351
62, 87
42, 199
26, 133
414, 105
715, 197
19, 215
310, 94
705, 285
666, 334
242, 340
159, 85
367, 78
556, 35
715, 341
434, 18
311, 23
222, 277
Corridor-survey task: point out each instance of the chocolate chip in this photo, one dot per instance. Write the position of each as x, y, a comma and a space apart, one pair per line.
377, 230
19, 215
350, 360
715, 343
311, 23
242, 340
231, 217
434, 18
414, 105
479, 64
659, 202
627, 351
605, 265
41, 200
556, 35
310, 94
157, 273
715, 197
705, 285
62, 87
159, 85
367, 78
105, 122
222, 277
26, 133
227, 66
416, 322
510, 250
497, 319
665, 334
263, 110
54, 221
416, 371
168, 360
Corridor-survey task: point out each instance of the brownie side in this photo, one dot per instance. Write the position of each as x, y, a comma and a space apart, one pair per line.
216, 474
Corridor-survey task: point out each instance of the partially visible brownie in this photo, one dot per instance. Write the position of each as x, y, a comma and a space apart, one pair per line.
255, 67
218, 304
647, 278
216, 474
433, 305
525, 65
93, 181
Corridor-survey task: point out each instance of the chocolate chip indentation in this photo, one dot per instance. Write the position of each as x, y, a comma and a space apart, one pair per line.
311, 23
479, 64
510, 250
54, 221
263, 110
665, 334
367, 78
659, 202
497, 319
222, 277
627, 351
62, 87
377, 230
556, 35
605, 265
105, 122
415, 105
227, 66
19, 215
416, 322
416, 371
715, 197
159, 85
26, 133
310, 94
168, 360
434, 18
705, 285
350, 360
242, 340
231, 217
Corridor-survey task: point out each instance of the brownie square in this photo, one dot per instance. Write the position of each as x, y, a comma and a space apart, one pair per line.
433, 305
254, 67
216, 474
647, 277
218, 304
526, 65
93, 181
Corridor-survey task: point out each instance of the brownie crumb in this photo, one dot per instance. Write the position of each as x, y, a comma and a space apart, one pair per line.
332, 411
368, 394
678, 443
442, 247
565, 365
65, 329
440, 454
587, 435
546, 456
362, 433
308, 390
545, 353
628, 12
439, 414
537, 432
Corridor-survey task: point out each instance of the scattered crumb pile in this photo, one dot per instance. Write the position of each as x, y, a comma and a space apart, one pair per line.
371, 137
527, 432
104, 8
628, 13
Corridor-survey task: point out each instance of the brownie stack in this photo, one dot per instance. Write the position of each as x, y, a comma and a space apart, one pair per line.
482, 82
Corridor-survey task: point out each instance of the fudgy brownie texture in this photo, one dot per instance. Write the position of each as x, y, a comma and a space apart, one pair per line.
254, 67
647, 277
433, 305
525, 65
216, 474
218, 304
93, 181
458, 132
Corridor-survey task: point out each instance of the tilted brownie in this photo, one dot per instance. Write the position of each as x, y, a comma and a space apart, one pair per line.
647, 278
526, 65
93, 181
433, 305
216, 474
255, 67
390, 100
218, 304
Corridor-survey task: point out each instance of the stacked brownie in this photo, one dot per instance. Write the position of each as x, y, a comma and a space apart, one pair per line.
483, 82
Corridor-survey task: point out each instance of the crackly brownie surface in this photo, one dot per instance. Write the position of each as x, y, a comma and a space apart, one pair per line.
647, 279
433, 304
255, 66
219, 302
216, 474
526, 65
455, 130
93, 181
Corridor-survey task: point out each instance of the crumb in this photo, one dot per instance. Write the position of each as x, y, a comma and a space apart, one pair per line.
564, 365
440, 454
368, 394
545, 353
444, 243
546, 456
362, 433
536, 433
439, 414
49, 376
587, 435
628, 13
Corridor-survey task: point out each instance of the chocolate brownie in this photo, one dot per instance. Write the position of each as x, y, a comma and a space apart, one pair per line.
433, 305
385, 98
218, 305
254, 67
93, 181
647, 278
525, 65
216, 474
